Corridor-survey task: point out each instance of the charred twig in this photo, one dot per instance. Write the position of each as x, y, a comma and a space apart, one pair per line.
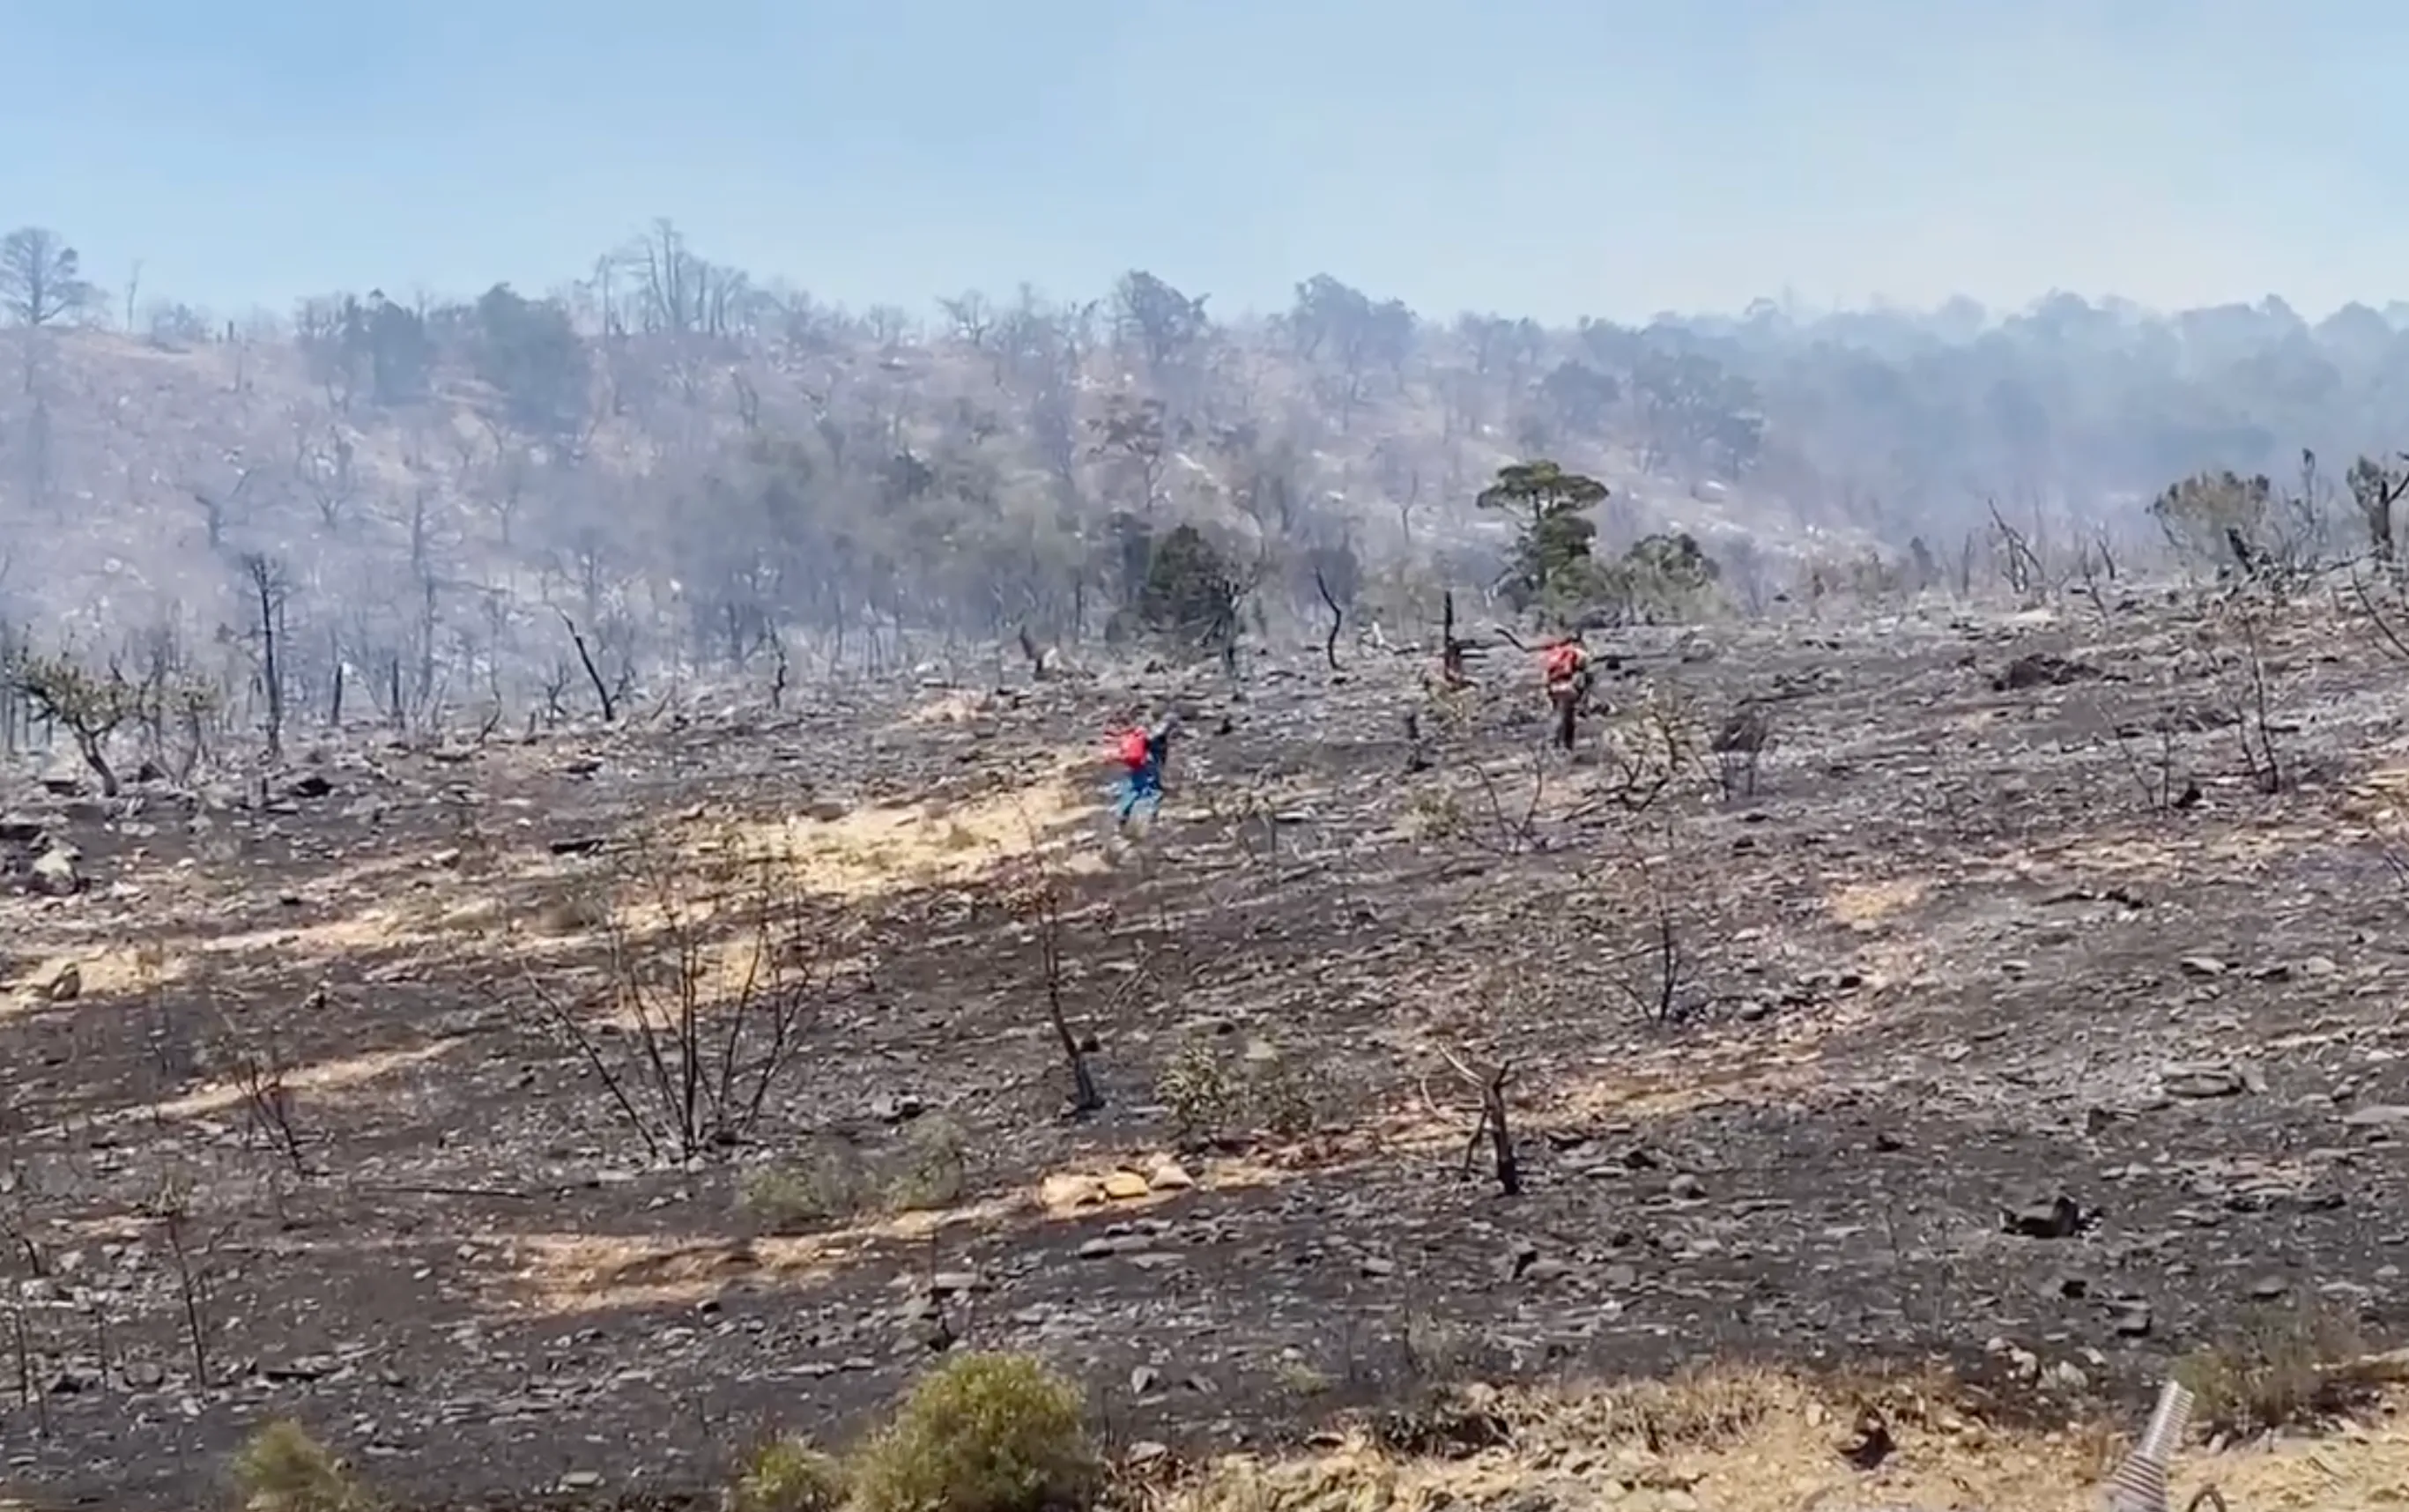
1491, 1088
191, 1252
1657, 996
1045, 903
1514, 835
268, 1101
2376, 616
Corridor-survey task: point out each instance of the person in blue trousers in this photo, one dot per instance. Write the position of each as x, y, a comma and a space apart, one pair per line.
1142, 753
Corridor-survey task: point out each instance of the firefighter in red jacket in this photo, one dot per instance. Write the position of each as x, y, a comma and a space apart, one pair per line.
1141, 752
1566, 667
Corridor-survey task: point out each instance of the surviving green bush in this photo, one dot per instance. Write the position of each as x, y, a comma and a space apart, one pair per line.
280, 1468
819, 1187
788, 1475
983, 1433
1212, 1095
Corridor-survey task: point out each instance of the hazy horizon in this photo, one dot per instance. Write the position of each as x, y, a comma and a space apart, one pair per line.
1842, 151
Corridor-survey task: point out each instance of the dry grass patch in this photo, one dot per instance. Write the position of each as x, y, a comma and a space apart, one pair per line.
1864, 905
562, 1274
1743, 1440
1771, 1076
342, 1073
2287, 1368
873, 852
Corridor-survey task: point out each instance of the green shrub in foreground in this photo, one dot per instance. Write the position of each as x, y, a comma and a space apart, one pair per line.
984, 1433
788, 1475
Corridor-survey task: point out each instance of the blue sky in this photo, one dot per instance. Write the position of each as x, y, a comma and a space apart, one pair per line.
1550, 157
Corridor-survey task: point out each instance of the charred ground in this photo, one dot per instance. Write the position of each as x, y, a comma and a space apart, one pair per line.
2016, 1021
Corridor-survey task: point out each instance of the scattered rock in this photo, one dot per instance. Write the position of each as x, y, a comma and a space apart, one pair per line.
2041, 669
300, 1368
1124, 1186
1068, 1188
2201, 966
1169, 1176
56, 981
55, 873
2377, 1116
2201, 1080
2045, 1218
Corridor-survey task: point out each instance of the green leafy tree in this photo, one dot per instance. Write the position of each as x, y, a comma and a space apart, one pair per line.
531, 354
1662, 577
89, 706
1553, 548
1189, 590
2217, 516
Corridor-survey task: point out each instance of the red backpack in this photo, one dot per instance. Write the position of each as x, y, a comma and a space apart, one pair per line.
1134, 749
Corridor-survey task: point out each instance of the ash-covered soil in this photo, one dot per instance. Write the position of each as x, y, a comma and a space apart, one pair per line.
1995, 1033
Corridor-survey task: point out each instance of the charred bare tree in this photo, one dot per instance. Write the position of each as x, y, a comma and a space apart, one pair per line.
270, 588
1450, 652
602, 693
1338, 619
690, 1033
